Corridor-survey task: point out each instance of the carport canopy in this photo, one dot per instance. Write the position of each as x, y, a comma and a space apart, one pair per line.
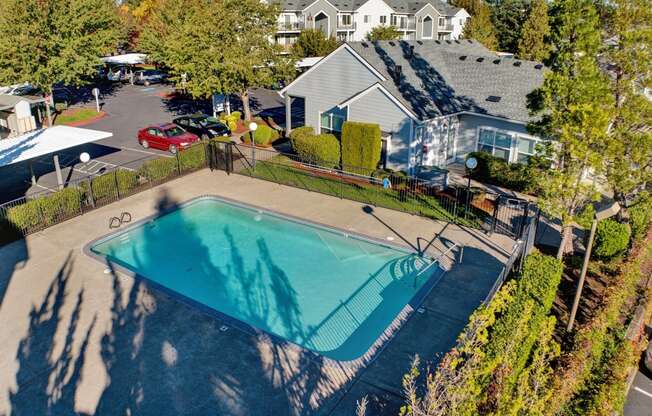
125, 59
44, 142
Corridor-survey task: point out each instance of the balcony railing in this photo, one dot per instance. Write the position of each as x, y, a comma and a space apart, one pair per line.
290, 27
346, 26
411, 25
445, 28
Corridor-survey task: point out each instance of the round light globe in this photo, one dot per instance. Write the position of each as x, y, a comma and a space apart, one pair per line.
84, 157
471, 163
253, 126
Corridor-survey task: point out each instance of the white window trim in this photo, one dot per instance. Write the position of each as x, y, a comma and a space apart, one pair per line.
330, 129
432, 31
328, 18
513, 149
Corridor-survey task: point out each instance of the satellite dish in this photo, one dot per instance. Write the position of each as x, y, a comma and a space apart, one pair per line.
84, 157
471, 163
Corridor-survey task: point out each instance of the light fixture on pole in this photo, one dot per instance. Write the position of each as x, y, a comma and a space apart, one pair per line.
471, 163
605, 213
84, 157
252, 128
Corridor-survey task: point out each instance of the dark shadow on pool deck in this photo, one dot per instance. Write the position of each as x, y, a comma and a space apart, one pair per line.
163, 357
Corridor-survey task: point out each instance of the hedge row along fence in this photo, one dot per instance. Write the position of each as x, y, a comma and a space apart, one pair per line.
28, 215
500, 364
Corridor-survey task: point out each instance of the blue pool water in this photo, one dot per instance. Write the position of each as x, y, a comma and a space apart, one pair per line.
320, 288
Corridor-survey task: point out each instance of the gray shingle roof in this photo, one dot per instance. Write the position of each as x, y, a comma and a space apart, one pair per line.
399, 6
446, 77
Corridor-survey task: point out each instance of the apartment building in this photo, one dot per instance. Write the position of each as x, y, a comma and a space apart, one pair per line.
352, 20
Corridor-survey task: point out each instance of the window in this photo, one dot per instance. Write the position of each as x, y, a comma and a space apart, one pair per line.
526, 147
345, 19
367, 18
331, 123
442, 22
495, 143
383, 20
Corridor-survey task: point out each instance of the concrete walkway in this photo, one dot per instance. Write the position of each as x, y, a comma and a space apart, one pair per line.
76, 337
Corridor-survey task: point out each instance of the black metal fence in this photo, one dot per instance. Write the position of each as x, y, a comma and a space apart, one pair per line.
469, 207
484, 210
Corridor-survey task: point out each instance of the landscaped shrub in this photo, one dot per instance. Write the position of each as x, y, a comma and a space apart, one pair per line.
516, 176
611, 239
158, 169
361, 146
105, 185
231, 120
263, 135
193, 158
299, 132
640, 217
322, 149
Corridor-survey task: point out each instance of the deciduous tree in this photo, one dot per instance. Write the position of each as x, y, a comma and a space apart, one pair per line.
45, 42
313, 42
229, 57
533, 44
383, 32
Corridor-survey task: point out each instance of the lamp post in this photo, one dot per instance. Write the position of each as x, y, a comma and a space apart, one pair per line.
471, 163
252, 128
600, 215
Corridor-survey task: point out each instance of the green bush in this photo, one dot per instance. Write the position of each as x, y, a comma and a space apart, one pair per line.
361, 146
158, 169
263, 135
305, 131
640, 217
322, 149
104, 185
193, 158
611, 239
517, 176
231, 120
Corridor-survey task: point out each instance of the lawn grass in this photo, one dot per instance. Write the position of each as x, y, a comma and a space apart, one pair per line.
282, 170
75, 115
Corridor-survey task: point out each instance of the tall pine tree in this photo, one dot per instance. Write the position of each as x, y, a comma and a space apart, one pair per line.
508, 17
628, 59
574, 106
533, 44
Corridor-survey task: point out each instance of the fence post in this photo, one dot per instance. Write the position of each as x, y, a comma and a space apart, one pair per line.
457, 195
494, 220
115, 180
90, 192
524, 219
341, 185
178, 163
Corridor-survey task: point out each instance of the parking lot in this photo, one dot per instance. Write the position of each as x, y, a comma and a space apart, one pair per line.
129, 108
639, 398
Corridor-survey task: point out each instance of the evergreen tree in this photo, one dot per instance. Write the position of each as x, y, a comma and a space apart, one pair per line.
313, 42
479, 26
629, 150
533, 44
383, 33
574, 107
227, 58
508, 17
45, 42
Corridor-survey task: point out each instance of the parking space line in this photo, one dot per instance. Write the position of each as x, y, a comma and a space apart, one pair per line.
640, 390
143, 151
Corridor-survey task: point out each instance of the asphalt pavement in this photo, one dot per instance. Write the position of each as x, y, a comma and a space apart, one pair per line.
639, 398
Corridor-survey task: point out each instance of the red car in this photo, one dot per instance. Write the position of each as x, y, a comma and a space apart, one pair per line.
168, 137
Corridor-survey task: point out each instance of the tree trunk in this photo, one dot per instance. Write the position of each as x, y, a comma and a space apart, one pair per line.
47, 95
566, 238
623, 214
244, 97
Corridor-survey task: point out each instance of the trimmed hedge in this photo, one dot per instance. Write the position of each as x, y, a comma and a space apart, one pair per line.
104, 185
322, 150
516, 176
611, 239
264, 135
301, 132
158, 169
193, 158
640, 217
361, 146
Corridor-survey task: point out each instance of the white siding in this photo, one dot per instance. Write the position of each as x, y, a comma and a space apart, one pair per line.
375, 9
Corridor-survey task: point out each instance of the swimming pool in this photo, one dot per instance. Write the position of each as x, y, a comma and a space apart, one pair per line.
327, 290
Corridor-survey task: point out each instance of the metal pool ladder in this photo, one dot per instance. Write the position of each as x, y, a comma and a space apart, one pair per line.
116, 222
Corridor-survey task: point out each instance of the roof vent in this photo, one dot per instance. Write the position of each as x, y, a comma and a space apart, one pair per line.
480, 59
538, 66
463, 58
364, 44
392, 43
420, 42
493, 98
438, 42
517, 63
496, 61
397, 74
449, 42
410, 53
457, 41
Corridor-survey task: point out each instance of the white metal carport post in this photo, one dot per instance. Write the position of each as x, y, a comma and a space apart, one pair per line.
57, 168
288, 115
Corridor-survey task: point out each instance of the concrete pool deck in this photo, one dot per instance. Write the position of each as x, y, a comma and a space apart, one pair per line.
78, 337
